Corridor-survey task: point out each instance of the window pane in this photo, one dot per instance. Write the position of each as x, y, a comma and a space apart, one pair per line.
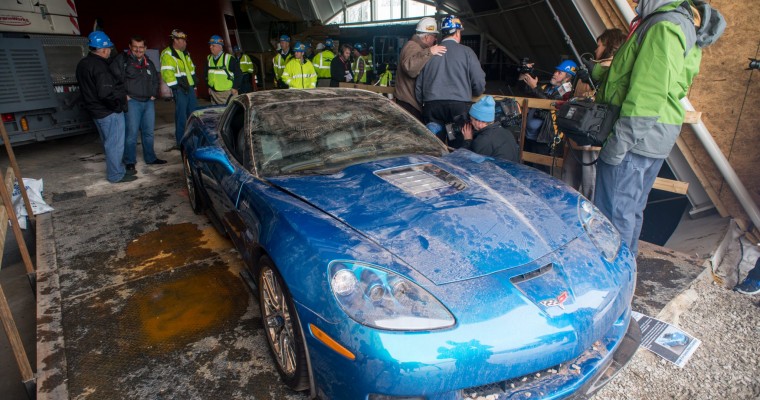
338, 19
358, 12
417, 9
387, 9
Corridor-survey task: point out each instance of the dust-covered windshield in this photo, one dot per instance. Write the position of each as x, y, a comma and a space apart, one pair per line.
325, 135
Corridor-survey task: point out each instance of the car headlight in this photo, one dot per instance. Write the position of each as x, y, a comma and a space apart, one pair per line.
385, 300
601, 231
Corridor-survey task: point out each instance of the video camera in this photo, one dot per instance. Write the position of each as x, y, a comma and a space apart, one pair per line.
526, 67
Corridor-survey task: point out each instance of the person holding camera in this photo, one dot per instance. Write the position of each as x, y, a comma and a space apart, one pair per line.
540, 131
484, 136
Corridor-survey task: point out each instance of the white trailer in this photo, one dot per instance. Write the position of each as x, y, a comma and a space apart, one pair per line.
40, 46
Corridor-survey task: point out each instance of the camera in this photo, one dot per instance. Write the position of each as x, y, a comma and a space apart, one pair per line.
454, 129
754, 64
525, 67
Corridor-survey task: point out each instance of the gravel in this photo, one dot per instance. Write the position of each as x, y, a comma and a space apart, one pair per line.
725, 366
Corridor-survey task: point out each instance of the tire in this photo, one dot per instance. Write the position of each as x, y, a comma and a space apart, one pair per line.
196, 203
282, 327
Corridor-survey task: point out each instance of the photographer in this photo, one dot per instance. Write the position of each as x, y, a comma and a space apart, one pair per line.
540, 129
483, 136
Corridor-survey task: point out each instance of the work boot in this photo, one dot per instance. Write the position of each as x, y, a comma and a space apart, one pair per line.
750, 284
130, 169
127, 178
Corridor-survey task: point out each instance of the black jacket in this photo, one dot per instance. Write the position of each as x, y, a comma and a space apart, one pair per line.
494, 141
338, 70
102, 93
140, 78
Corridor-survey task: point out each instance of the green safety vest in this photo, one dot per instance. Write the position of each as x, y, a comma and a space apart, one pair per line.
356, 67
299, 75
176, 65
386, 77
220, 77
322, 63
246, 65
279, 63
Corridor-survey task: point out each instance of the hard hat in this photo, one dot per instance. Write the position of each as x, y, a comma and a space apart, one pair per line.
236, 49
358, 46
299, 47
450, 24
568, 66
427, 25
320, 46
99, 40
284, 38
329, 43
178, 34
216, 39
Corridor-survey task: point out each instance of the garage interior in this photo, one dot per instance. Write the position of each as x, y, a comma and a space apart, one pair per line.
103, 281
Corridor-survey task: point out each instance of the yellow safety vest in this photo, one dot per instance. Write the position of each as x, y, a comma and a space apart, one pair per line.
370, 66
246, 65
356, 67
322, 63
220, 78
279, 63
299, 75
175, 65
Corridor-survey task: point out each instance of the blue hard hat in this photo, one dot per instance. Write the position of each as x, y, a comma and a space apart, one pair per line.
434, 127
329, 43
358, 46
450, 24
568, 66
299, 47
284, 38
216, 39
99, 40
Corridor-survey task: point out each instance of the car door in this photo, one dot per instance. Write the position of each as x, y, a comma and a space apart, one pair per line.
222, 184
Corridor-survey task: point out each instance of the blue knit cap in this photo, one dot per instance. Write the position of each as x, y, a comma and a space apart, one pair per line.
484, 109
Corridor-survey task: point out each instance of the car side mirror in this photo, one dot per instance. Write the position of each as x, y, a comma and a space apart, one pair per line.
214, 155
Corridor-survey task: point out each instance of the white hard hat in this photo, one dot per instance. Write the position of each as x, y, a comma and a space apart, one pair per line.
427, 25
321, 46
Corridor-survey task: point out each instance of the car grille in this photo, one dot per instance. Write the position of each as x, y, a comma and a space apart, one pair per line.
537, 385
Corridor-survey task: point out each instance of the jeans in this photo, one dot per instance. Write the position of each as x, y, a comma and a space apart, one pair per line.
185, 104
141, 116
111, 130
622, 191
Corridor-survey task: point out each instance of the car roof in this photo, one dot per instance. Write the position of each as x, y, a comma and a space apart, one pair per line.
292, 95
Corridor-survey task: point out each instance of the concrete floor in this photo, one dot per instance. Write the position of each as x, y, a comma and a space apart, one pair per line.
150, 303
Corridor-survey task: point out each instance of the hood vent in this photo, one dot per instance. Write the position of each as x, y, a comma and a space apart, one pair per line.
422, 180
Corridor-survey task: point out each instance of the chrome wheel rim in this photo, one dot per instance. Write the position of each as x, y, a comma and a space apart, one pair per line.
277, 322
189, 182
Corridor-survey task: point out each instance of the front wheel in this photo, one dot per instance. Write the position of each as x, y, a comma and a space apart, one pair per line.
192, 190
282, 327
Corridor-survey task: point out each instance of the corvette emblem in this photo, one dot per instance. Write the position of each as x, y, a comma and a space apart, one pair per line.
555, 302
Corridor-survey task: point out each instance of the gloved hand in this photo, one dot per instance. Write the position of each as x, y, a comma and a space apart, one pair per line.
584, 75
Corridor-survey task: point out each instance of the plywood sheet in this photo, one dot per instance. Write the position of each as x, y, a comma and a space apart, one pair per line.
728, 95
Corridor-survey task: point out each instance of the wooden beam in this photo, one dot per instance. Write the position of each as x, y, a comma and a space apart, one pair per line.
542, 159
15, 340
670, 185
275, 11
4, 214
371, 88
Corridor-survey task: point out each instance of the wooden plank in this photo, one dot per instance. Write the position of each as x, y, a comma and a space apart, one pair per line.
17, 171
8, 205
4, 215
692, 117
542, 159
15, 340
371, 88
670, 185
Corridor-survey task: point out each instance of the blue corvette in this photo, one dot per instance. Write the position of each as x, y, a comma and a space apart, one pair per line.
389, 268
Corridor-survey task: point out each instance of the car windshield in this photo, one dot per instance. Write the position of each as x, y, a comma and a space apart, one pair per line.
319, 136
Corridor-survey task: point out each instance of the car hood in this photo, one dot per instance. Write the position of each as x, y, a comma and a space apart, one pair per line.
449, 218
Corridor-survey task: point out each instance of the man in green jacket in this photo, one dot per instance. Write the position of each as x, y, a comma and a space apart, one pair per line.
650, 74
